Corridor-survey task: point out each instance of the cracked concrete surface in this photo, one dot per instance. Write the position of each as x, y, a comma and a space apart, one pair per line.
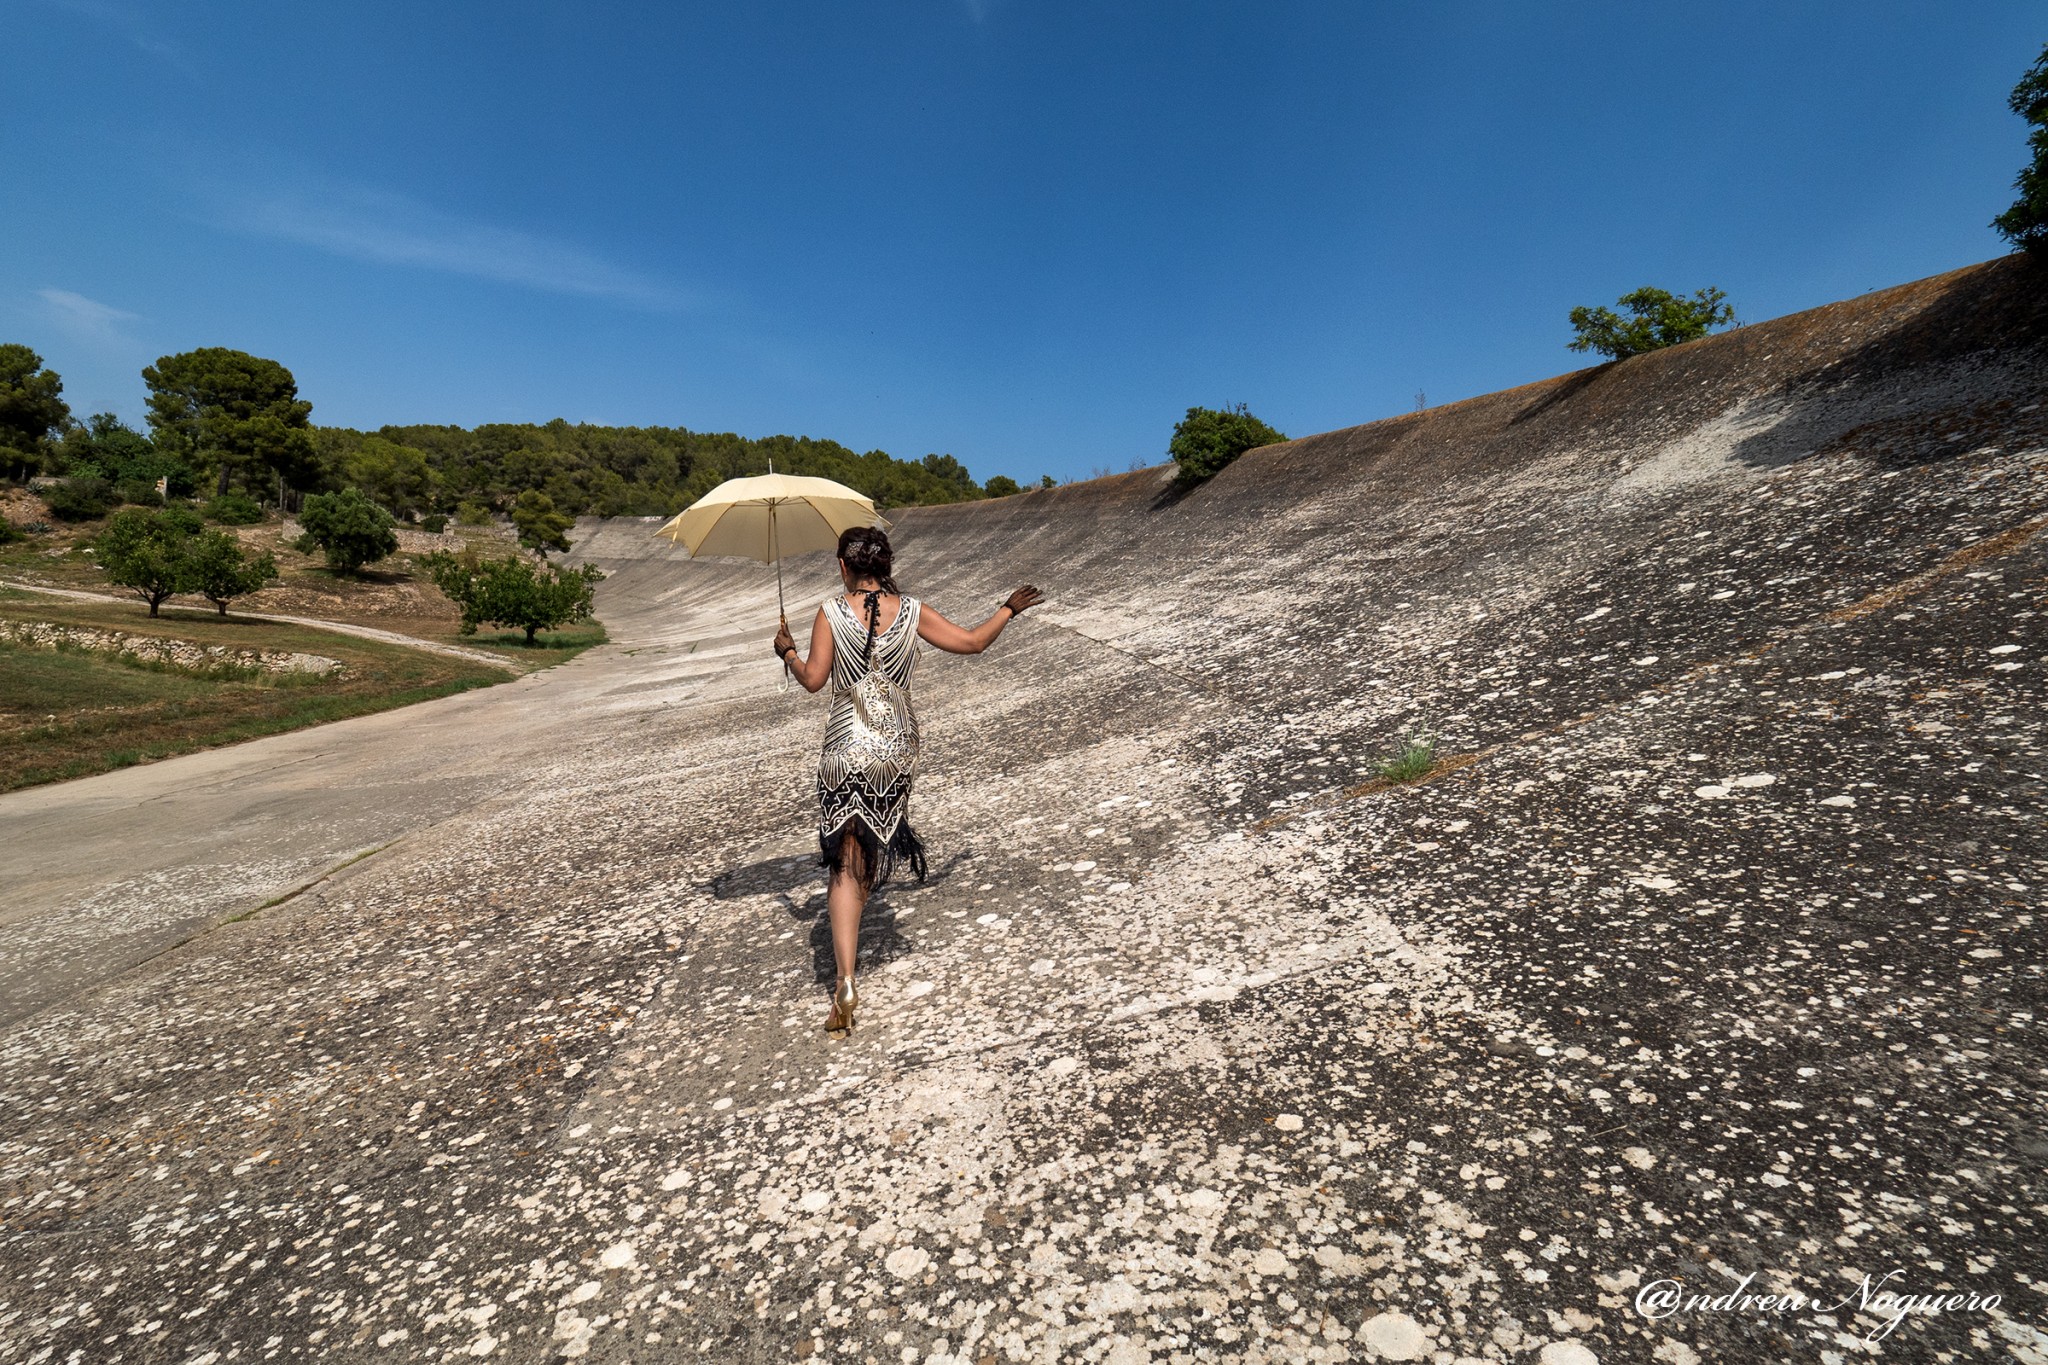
1718, 958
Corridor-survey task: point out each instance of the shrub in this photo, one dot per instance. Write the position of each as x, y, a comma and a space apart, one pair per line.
8, 535
1657, 318
347, 528
140, 492
434, 525
1415, 759
1207, 439
472, 514
513, 591
218, 569
234, 508
81, 499
1001, 486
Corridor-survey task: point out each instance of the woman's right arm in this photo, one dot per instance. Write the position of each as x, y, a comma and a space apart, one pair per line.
815, 671
937, 631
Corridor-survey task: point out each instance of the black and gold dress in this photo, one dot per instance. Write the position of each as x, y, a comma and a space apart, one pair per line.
870, 742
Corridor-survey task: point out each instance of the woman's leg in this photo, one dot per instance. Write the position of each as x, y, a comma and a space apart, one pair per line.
845, 897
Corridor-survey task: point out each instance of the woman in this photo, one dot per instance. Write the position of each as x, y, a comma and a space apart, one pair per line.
865, 644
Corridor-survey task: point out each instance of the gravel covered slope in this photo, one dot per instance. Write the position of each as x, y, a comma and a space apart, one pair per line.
1712, 953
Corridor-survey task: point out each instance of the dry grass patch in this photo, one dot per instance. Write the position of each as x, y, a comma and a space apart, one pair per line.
67, 713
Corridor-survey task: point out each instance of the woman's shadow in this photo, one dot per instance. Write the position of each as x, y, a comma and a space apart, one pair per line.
798, 886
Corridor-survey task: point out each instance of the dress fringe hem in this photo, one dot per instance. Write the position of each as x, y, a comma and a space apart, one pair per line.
879, 859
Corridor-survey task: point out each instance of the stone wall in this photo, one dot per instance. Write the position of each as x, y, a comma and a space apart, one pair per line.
183, 655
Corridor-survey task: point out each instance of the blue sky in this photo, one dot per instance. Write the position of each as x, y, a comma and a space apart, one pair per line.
1026, 234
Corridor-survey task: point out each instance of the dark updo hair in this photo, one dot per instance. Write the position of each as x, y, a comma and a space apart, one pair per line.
866, 553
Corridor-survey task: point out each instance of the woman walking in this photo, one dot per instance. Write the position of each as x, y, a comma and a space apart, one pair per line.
864, 643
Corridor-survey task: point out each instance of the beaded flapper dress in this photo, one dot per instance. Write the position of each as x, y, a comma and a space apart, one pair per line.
870, 743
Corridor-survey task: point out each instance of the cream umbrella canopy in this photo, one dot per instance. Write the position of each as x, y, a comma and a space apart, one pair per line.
769, 516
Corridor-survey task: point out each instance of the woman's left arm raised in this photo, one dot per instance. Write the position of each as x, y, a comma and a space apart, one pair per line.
937, 631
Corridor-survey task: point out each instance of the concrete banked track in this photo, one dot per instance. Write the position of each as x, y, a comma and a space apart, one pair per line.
1712, 948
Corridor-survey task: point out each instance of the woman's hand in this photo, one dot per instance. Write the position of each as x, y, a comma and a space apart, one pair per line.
784, 643
1023, 599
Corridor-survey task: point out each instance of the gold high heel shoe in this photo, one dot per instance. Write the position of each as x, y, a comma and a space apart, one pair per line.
844, 999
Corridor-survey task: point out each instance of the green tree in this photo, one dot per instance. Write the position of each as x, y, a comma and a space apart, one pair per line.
147, 551
1207, 439
218, 569
513, 591
235, 415
949, 481
541, 527
2025, 224
347, 528
1656, 319
31, 407
105, 447
1000, 486
397, 476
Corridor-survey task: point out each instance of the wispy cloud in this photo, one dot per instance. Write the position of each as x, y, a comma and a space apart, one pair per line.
84, 319
132, 24
390, 229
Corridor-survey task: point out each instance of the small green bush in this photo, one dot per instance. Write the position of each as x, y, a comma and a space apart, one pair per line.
140, 492
1001, 486
1208, 439
434, 525
347, 528
1415, 759
81, 499
8, 535
234, 508
1656, 318
472, 514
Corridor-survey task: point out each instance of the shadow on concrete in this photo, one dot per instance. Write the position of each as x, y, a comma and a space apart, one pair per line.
1989, 311
1561, 391
1173, 493
881, 942
769, 877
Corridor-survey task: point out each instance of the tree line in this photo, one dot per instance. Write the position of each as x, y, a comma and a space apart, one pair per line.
224, 424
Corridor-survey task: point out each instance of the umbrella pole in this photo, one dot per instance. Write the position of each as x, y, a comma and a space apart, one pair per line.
781, 611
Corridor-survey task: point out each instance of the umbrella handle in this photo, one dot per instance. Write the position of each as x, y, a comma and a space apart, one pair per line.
781, 611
